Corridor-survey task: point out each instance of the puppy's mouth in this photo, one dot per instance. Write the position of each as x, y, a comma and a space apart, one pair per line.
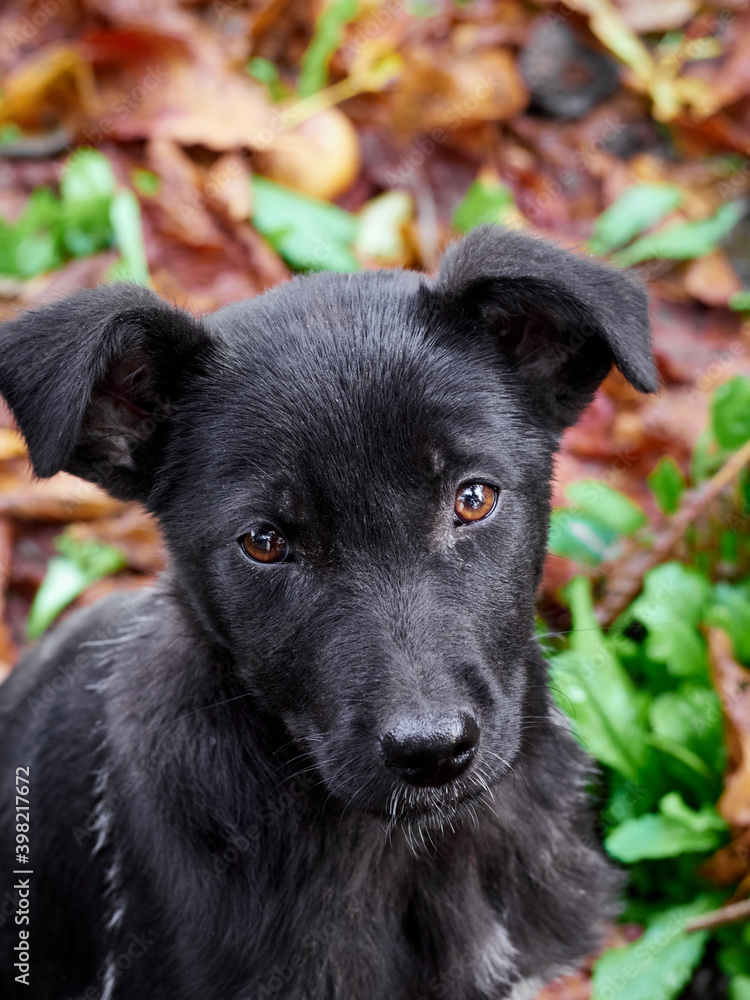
446, 807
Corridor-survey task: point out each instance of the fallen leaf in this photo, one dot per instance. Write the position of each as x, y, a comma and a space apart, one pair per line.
49, 83
711, 280
227, 187
440, 90
61, 498
180, 198
319, 157
152, 92
733, 685
730, 864
11, 444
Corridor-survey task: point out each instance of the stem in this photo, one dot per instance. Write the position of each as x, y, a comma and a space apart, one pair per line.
625, 584
735, 913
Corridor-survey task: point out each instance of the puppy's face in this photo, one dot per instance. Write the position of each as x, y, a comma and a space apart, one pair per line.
361, 501
353, 479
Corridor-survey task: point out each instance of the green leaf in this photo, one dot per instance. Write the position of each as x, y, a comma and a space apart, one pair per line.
733, 957
125, 214
684, 241
35, 254
51, 229
707, 457
730, 412
703, 820
88, 174
607, 505
667, 484
670, 608
78, 566
731, 612
579, 537
310, 234
145, 181
329, 33
740, 302
739, 988
10, 134
671, 593
265, 72
381, 227
591, 687
675, 829
659, 964
672, 831
678, 646
483, 202
690, 719
637, 209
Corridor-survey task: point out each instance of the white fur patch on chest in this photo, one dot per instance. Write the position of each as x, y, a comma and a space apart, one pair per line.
494, 964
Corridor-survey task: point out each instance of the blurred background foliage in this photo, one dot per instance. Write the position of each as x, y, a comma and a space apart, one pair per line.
209, 149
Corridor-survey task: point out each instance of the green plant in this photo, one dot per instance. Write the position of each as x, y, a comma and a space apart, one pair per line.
641, 697
90, 214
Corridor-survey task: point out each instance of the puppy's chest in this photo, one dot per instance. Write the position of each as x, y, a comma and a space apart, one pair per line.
386, 932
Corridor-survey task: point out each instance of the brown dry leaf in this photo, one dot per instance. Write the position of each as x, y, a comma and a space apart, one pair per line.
320, 156
730, 80
48, 84
227, 187
711, 280
11, 444
730, 864
573, 987
164, 15
61, 498
180, 199
440, 90
168, 87
733, 685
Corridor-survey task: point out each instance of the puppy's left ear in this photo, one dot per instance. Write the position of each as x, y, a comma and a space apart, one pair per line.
560, 320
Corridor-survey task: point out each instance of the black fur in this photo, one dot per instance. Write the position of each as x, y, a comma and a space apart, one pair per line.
211, 816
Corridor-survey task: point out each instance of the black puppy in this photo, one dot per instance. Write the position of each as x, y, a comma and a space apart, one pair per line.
318, 761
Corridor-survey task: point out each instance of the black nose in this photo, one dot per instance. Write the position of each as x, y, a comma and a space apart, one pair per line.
432, 750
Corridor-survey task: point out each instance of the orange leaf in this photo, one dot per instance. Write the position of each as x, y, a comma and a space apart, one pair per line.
733, 684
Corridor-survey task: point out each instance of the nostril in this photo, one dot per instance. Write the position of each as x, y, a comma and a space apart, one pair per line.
462, 749
431, 750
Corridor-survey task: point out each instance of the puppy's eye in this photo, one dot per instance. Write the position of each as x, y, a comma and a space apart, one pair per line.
264, 544
474, 502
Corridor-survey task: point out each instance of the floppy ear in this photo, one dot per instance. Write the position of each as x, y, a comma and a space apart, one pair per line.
561, 320
92, 380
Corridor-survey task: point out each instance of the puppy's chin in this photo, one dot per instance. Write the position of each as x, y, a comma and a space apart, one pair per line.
405, 806
436, 808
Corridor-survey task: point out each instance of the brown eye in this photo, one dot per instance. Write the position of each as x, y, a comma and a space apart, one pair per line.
264, 544
474, 502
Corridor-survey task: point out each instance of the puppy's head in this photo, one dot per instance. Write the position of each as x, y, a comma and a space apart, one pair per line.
352, 474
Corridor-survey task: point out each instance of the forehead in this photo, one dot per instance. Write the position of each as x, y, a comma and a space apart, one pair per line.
337, 376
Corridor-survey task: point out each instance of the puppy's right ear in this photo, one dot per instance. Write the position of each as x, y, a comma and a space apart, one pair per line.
92, 380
